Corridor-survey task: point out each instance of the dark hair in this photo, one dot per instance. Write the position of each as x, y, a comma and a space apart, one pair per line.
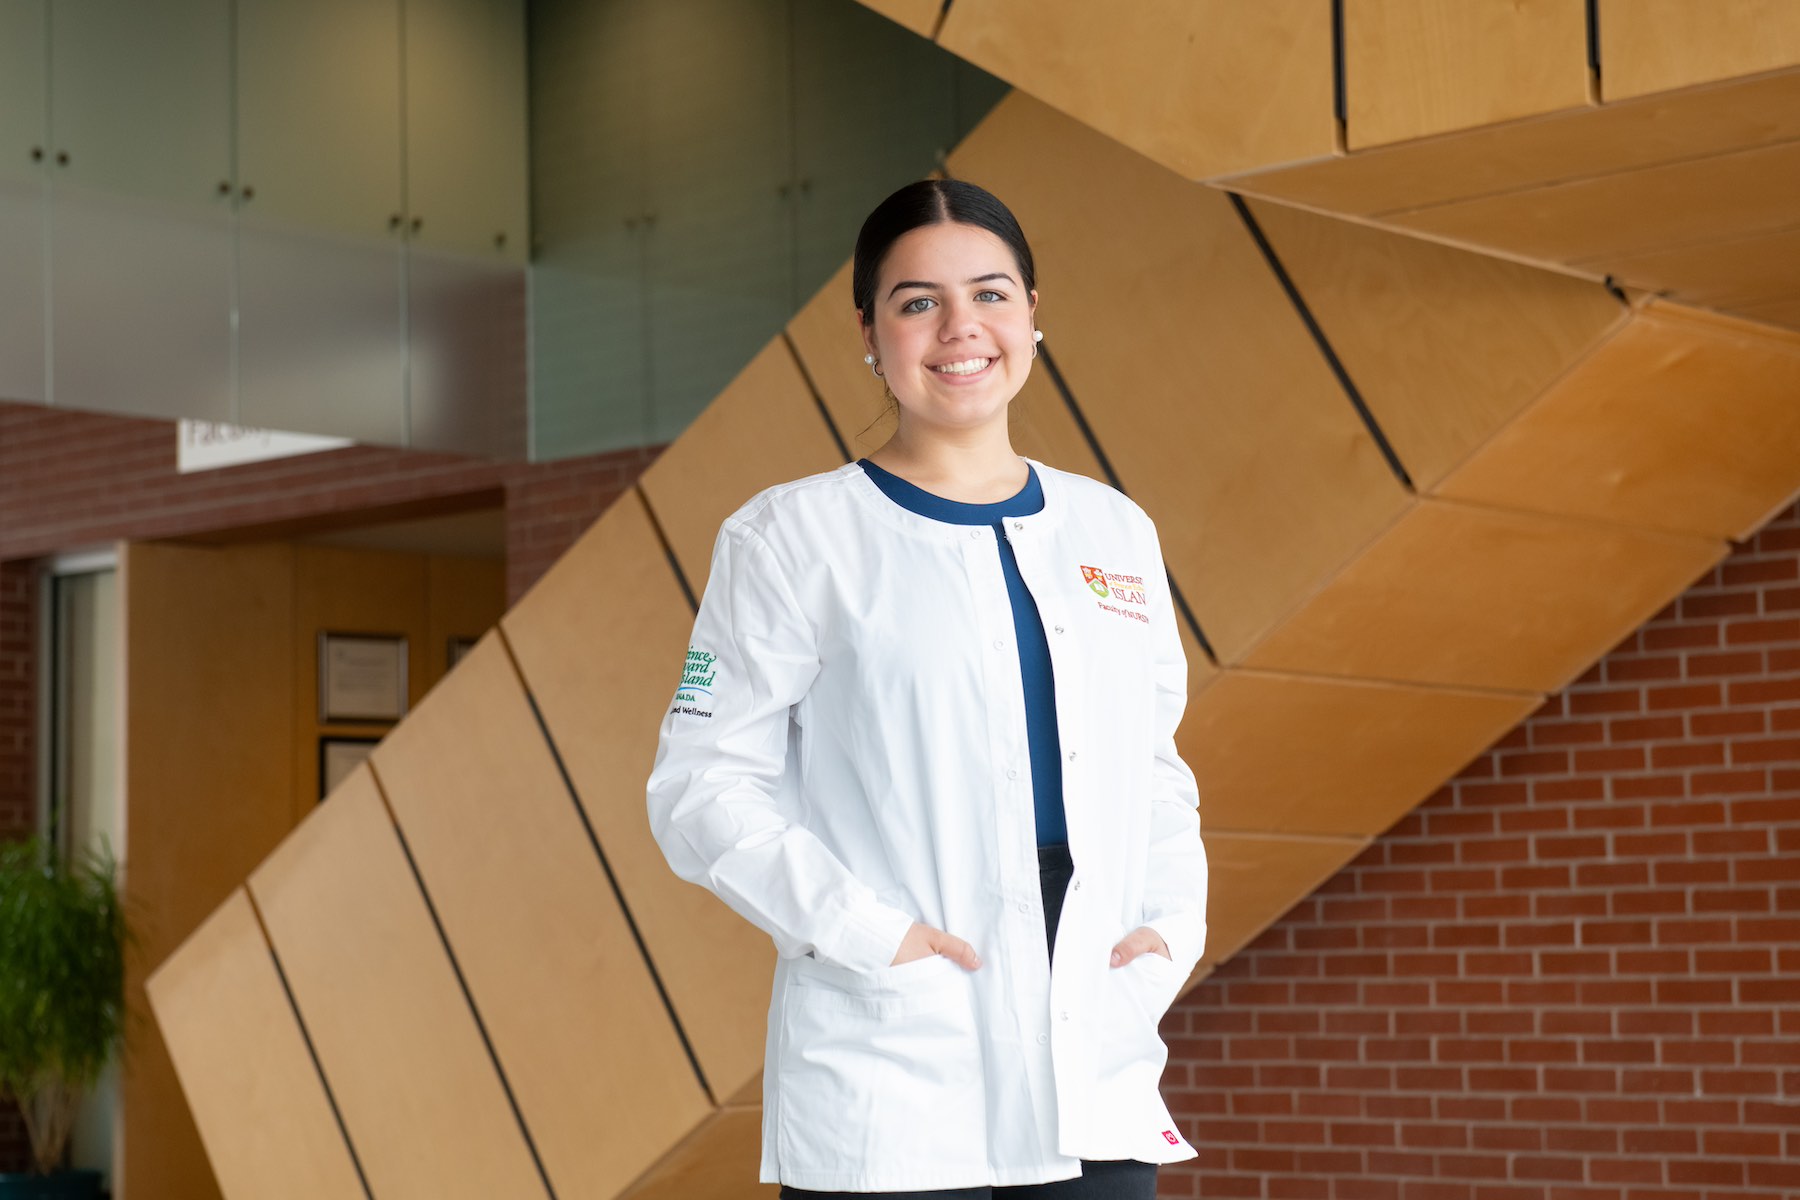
931, 202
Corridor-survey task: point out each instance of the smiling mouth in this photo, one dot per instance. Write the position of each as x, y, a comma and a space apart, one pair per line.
967, 366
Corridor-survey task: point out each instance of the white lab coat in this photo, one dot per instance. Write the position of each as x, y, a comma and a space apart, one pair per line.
847, 754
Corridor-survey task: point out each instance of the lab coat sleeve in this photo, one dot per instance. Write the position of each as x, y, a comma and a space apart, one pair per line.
720, 754
1176, 888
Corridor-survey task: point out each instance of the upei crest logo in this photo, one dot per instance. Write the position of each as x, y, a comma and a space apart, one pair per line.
1096, 579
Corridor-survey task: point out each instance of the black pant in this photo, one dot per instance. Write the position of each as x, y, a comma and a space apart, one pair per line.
1124, 1179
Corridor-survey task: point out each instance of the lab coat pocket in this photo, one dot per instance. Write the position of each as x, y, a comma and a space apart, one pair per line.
1132, 1057
879, 1072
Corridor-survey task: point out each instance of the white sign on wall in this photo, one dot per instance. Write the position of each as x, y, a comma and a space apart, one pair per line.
207, 445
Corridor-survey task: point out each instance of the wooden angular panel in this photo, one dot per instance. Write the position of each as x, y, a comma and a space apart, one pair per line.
1578, 144
394, 1034
1460, 595
1592, 221
920, 16
1655, 45
1192, 367
601, 663
1373, 751
764, 428
1784, 313
1418, 67
1255, 880
244, 1066
718, 1161
1204, 87
824, 337
1684, 421
537, 930
1483, 336
1732, 274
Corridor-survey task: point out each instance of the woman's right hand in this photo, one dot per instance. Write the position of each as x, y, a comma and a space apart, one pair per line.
922, 940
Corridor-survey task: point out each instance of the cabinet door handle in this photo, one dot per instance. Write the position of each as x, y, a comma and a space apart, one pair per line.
224, 187
37, 154
394, 223
248, 192
62, 158
500, 240
418, 223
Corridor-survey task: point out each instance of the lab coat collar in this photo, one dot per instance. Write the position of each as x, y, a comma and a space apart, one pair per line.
883, 509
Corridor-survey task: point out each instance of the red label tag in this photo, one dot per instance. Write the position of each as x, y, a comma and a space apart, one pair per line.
1173, 1140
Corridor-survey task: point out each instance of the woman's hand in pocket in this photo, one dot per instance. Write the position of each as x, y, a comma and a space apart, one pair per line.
1142, 940
922, 940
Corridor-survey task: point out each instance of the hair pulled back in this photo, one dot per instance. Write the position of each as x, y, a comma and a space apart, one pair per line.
931, 202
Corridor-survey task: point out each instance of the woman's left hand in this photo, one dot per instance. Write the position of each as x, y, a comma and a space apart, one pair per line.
1142, 940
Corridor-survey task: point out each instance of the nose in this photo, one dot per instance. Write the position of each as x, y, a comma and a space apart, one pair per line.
961, 319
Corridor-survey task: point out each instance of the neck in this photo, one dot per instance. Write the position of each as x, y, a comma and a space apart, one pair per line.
977, 466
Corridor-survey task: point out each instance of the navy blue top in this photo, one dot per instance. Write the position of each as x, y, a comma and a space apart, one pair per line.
1028, 630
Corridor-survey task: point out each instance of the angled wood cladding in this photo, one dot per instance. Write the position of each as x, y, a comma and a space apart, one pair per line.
244, 1066
1419, 67
920, 16
599, 641
1205, 87
1194, 370
395, 1037
1482, 336
763, 429
547, 955
1684, 421
1464, 595
718, 1162
1657, 45
1254, 879
1331, 757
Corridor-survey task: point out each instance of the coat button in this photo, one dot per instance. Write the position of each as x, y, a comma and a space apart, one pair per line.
999, 644
1077, 885
1071, 756
1012, 772
1018, 524
976, 534
1043, 1039
1059, 629
1024, 907
1063, 1015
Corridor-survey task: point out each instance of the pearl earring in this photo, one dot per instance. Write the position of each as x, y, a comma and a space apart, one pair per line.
874, 365
1037, 335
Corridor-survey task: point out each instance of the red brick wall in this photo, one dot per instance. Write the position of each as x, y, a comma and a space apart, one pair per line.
1573, 973
72, 479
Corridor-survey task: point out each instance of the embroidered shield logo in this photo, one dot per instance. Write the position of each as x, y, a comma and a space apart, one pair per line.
1095, 578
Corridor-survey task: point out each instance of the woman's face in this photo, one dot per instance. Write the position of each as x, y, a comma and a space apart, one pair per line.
950, 296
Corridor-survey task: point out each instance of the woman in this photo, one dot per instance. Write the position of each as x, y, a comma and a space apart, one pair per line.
925, 740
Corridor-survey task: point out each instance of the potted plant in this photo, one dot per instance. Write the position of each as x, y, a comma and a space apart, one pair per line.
62, 1001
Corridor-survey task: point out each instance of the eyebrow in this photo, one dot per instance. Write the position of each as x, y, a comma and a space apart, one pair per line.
920, 283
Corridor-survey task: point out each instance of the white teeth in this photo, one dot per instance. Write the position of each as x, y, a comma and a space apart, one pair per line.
967, 367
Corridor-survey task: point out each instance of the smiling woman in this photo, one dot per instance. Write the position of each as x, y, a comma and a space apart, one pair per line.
940, 772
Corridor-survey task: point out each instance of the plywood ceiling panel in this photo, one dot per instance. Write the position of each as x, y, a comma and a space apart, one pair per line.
1683, 421
548, 956
1205, 87
1307, 755
245, 1070
764, 428
601, 662
1483, 336
1192, 367
1655, 45
1256, 879
1419, 67
1591, 221
394, 1035
1467, 596
1557, 148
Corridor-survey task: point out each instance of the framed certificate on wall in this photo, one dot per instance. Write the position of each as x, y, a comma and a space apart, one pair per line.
362, 677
